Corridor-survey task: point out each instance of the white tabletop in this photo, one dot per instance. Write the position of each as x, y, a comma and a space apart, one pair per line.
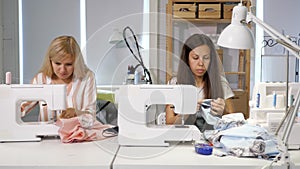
180, 156
295, 158
100, 154
54, 154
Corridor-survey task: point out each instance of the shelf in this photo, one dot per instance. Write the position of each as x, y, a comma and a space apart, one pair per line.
235, 73
177, 17
207, 1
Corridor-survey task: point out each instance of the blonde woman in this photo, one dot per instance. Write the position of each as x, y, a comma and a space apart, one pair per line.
64, 64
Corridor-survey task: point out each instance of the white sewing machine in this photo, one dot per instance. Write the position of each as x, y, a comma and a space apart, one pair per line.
133, 102
12, 128
269, 116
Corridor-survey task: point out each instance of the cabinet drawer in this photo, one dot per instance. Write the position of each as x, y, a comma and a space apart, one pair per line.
209, 11
227, 10
184, 10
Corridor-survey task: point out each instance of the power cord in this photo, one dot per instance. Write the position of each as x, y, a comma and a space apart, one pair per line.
139, 57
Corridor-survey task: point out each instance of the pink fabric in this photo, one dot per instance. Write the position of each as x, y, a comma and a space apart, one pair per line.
81, 128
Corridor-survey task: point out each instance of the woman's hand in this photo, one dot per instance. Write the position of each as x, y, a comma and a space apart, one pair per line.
199, 103
68, 113
170, 115
217, 106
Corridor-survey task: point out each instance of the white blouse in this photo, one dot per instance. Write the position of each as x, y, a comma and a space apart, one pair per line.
81, 95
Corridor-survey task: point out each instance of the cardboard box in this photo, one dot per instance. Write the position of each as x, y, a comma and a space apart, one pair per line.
227, 10
209, 11
184, 10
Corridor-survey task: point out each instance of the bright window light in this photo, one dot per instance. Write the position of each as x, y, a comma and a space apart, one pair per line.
20, 42
258, 38
83, 27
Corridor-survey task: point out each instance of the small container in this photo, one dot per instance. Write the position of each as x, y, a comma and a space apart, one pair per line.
204, 149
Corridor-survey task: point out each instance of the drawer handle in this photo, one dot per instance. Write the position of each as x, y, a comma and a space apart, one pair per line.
209, 10
184, 9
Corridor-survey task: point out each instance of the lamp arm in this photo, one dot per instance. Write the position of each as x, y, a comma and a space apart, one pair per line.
290, 120
295, 50
284, 41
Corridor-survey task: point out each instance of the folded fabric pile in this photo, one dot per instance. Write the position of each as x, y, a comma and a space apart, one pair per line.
83, 128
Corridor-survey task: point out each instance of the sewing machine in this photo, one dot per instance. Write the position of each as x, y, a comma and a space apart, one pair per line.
268, 115
133, 102
12, 128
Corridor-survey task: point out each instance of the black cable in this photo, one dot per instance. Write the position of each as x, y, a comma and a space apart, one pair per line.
110, 132
139, 57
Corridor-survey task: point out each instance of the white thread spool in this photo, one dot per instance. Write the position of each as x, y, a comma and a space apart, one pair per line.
8, 78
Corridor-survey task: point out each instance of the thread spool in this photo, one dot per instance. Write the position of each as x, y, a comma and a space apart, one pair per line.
8, 78
280, 101
291, 100
257, 100
274, 99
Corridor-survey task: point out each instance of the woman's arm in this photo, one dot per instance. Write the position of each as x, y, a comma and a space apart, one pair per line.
27, 106
170, 114
89, 96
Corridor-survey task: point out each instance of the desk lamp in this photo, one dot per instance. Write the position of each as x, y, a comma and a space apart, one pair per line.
237, 35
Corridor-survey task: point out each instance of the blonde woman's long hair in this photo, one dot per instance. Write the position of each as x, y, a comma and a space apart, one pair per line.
60, 48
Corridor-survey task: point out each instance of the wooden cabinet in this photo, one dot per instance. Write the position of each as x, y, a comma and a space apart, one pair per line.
214, 13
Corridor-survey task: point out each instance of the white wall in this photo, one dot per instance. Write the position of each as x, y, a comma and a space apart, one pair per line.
1, 45
45, 20
9, 40
282, 16
109, 61
42, 22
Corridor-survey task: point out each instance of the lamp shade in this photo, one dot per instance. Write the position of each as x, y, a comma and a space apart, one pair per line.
116, 37
237, 35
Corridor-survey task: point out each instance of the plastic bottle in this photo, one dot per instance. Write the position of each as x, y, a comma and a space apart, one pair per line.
291, 100
130, 75
8, 78
136, 77
257, 100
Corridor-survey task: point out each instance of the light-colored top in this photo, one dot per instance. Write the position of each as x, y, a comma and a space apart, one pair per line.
225, 85
81, 94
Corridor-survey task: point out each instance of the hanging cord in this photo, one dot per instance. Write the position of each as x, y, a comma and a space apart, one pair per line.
139, 57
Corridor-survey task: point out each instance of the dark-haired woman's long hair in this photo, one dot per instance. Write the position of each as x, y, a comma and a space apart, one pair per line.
212, 78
